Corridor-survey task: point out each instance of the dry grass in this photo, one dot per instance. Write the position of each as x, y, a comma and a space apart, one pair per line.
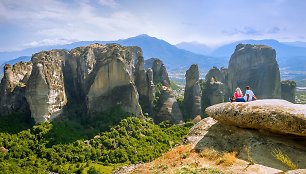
249, 157
228, 159
284, 159
210, 154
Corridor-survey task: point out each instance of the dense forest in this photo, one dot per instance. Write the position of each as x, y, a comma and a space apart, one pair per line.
83, 145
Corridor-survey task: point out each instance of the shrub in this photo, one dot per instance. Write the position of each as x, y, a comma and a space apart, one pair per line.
284, 159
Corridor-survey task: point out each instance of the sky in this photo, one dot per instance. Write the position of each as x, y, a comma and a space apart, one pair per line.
31, 23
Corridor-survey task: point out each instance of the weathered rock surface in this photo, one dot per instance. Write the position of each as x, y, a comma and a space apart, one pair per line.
258, 145
278, 116
212, 89
216, 74
45, 91
288, 89
192, 93
168, 108
160, 74
145, 86
111, 80
12, 88
255, 66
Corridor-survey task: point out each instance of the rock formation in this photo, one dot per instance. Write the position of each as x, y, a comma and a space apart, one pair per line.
250, 144
95, 78
288, 89
145, 86
192, 93
212, 88
160, 74
12, 88
104, 74
45, 91
272, 115
167, 107
255, 66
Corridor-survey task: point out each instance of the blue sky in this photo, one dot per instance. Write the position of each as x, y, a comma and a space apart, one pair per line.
29, 23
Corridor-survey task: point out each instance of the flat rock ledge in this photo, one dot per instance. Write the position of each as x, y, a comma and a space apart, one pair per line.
275, 115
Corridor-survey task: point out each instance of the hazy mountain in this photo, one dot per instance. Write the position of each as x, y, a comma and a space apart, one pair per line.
195, 47
298, 44
172, 56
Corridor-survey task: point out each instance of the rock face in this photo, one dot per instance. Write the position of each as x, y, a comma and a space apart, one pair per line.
258, 145
255, 66
104, 76
12, 88
145, 86
275, 115
95, 78
160, 74
212, 89
192, 93
168, 108
45, 91
288, 89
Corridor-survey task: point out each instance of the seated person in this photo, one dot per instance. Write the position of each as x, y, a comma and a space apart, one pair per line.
238, 96
249, 95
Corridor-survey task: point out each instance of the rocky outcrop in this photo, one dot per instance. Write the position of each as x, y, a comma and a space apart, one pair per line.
167, 107
288, 89
216, 74
145, 86
12, 88
104, 75
192, 93
160, 74
277, 116
45, 91
250, 144
212, 89
255, 66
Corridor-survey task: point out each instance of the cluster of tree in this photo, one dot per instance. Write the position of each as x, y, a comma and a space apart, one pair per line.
66, 146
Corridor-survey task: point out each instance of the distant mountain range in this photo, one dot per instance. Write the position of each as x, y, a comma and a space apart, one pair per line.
172, 56
291, 56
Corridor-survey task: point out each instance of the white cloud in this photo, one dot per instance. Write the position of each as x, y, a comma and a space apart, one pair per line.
45, 42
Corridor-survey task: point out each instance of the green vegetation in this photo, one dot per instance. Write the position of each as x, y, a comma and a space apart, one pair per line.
67, 146
300, 97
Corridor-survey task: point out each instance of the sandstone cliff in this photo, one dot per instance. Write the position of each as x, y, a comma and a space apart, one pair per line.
288, 89
212, 88
255, 66
12, 88
102, 75
192, 93
45, 90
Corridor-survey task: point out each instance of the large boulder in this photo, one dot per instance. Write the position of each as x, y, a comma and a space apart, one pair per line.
273, 115
255, 66
192, 93
12, 88
251, 145
167, 107
288, 90
45, 91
